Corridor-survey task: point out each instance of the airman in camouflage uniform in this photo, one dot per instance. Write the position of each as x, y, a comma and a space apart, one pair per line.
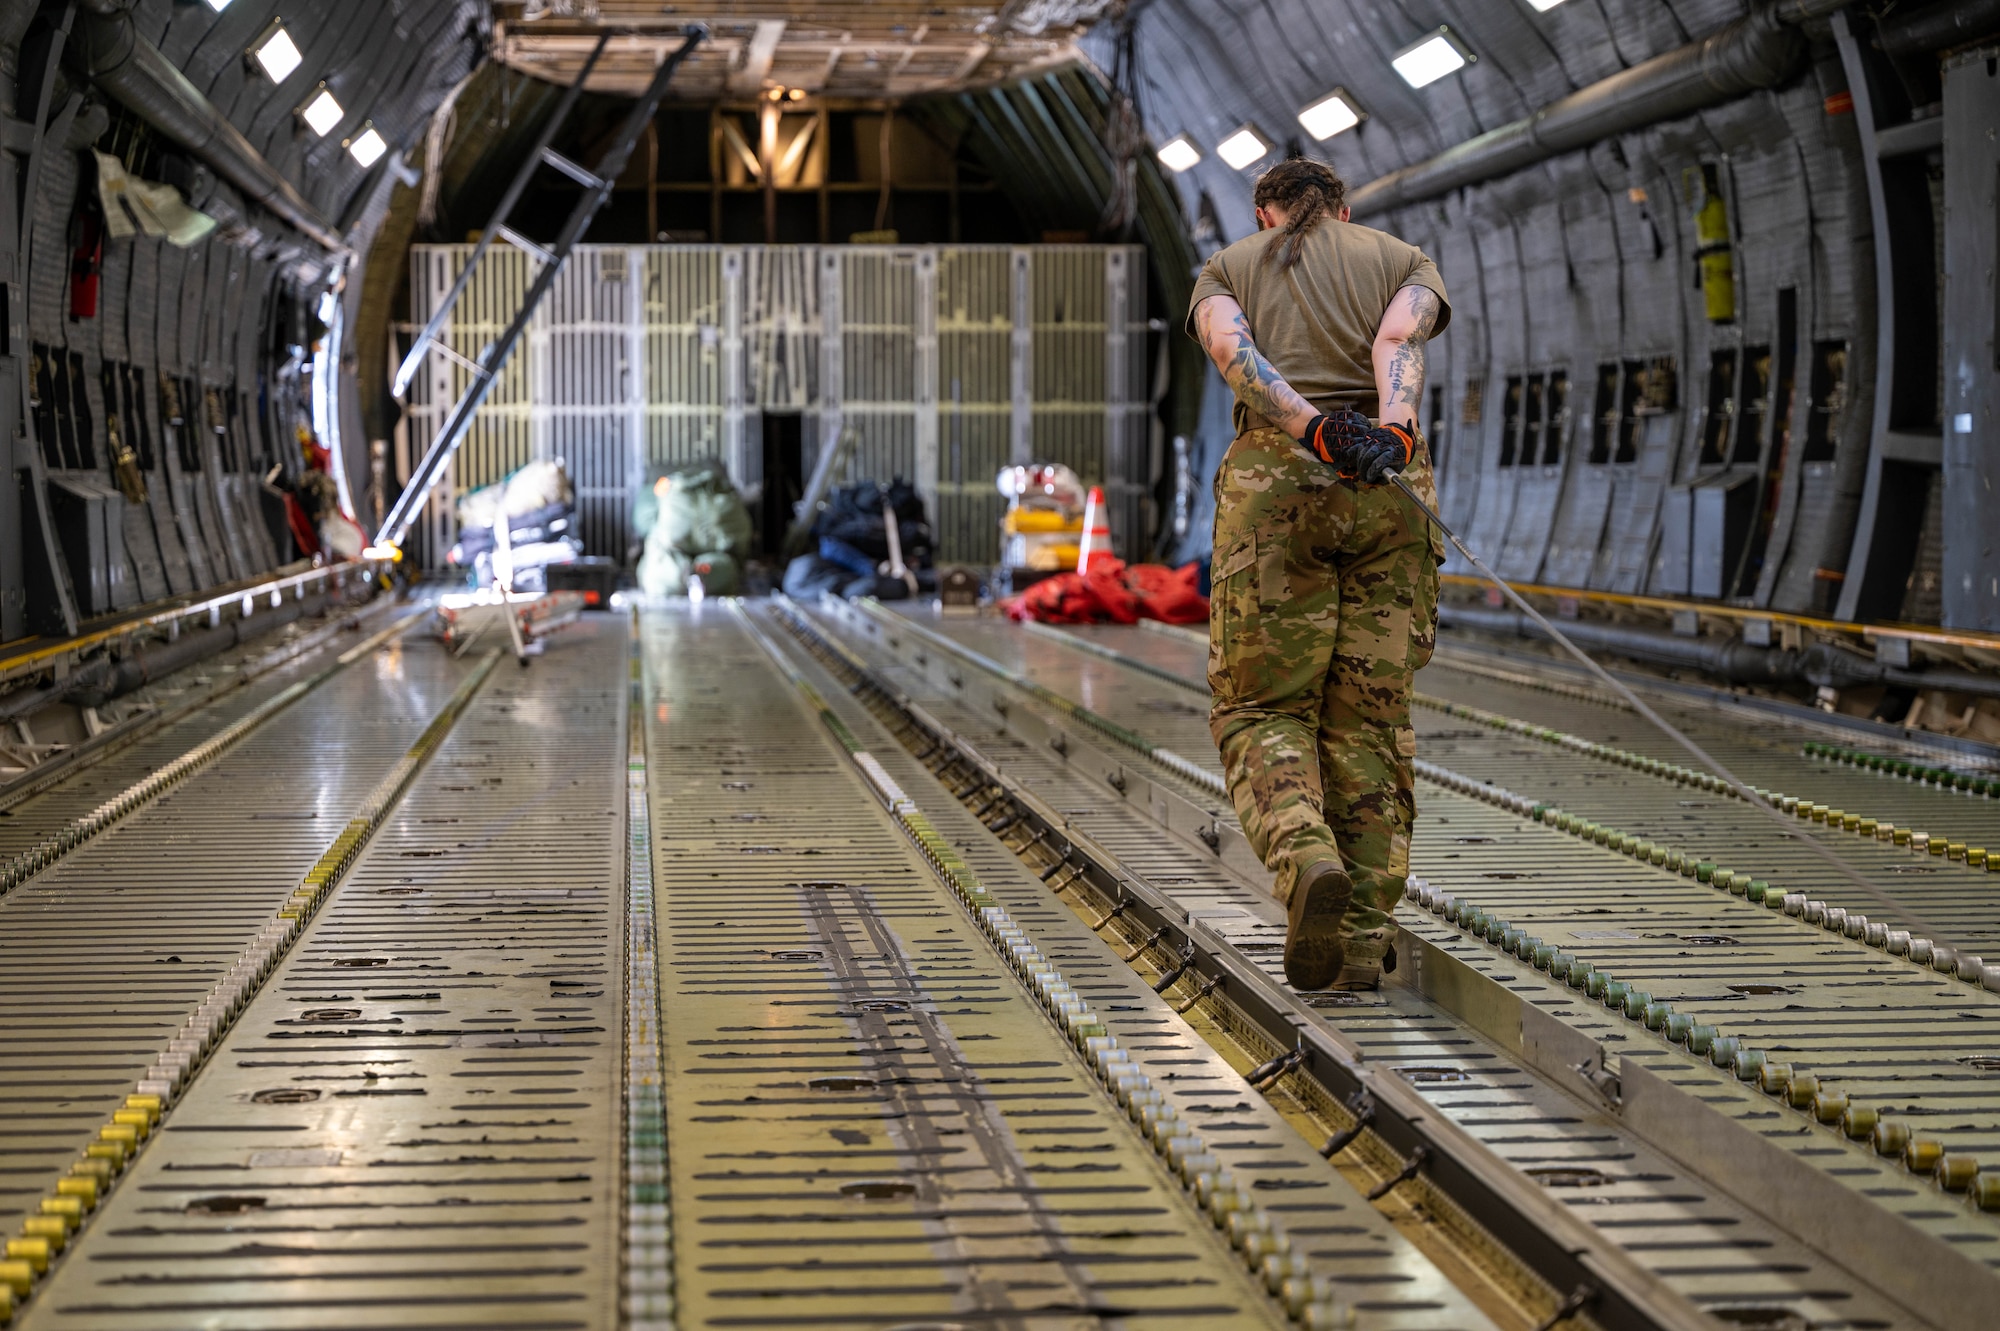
1323, 610
1325, 576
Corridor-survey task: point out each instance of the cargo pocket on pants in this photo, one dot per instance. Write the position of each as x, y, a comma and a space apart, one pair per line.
1233, 589
1424, 616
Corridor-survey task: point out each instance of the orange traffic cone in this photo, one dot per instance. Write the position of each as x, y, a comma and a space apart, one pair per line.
1096, 530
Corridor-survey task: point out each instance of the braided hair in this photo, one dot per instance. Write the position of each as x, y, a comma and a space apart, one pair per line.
1307, 191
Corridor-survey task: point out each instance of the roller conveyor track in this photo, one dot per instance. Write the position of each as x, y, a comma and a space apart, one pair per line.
1949, 893
934, 1153
103, 955
444, 1102
409, 1114
1767, 753
28, 814
1706, 824
1781, 988
416, 1119
1945, 893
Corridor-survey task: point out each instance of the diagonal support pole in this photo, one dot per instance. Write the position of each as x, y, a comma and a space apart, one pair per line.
401, 517
407, 371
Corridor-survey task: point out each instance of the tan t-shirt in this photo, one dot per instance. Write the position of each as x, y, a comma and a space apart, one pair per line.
1316, 321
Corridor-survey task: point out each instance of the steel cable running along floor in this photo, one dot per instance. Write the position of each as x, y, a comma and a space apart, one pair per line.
1746, 971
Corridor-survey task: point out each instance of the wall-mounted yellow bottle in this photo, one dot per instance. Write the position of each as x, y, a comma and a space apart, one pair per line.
1715, 260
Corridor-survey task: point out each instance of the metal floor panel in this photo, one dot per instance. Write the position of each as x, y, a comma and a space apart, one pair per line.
416, 1122
104, 954
26, 822
419, 1120
1888, 1030
850, 1061
1729, 832
1722, 1254
1170, 716
1720, 705
1758, 748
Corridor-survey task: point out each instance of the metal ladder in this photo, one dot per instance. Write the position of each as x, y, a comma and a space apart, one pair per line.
486, 370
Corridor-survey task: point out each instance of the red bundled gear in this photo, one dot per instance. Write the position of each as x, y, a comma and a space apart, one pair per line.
1168, 594
1113, 593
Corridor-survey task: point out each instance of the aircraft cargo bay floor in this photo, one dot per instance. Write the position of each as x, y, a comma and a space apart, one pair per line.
771, 965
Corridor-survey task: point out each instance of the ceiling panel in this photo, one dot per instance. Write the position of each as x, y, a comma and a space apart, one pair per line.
864, 49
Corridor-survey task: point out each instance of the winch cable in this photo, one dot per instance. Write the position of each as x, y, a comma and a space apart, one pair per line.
1892, 908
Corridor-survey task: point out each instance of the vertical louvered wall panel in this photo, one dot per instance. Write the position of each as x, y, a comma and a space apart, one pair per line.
975, 326
683, 319
922, 379
878, 345
579, 412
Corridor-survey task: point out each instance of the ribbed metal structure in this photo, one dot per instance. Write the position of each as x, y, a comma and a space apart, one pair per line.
942, 363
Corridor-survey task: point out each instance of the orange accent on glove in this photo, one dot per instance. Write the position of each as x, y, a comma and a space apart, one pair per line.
1405, 436
1388, 448
1333, 439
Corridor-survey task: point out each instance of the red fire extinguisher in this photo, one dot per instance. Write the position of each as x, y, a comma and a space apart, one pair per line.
86, 262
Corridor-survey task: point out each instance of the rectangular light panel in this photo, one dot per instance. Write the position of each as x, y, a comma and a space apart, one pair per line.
1179, 153
368, 146
1429, 60
1329, 116
1243, 147
322, 113
1541, 6
277, 55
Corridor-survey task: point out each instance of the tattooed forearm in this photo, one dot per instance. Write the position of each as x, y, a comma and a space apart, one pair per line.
1399, 379
1399, 353
1225, 335
1406, 374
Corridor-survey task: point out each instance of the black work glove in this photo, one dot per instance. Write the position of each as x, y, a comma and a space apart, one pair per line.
1333, 440
1386, 448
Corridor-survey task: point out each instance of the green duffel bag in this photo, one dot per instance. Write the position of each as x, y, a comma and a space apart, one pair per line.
720, 573
701, 512
646, 500
664, 571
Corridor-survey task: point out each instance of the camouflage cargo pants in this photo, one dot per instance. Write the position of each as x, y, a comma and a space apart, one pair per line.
1324, 608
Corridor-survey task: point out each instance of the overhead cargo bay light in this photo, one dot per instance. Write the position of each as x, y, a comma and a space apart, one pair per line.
1330, 115
1179, 153
276, 53
368, 146
321, 112
218, 5
1243, 147
1540, 6
1429, 58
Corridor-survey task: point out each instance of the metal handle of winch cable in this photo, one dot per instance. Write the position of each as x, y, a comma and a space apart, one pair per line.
1665, 727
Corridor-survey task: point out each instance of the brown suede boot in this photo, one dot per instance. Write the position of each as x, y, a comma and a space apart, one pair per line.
1312, 929
1358, 977
1363, 973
